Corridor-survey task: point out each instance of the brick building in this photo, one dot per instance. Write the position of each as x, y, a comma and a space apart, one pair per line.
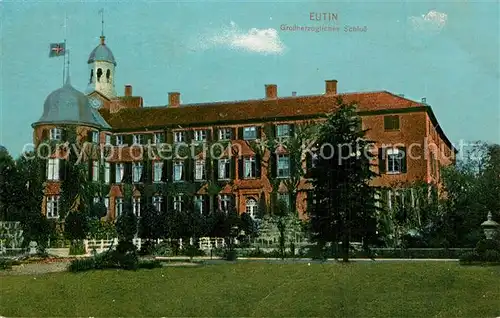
239, 175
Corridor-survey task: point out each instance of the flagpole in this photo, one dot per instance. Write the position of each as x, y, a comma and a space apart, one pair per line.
64, 53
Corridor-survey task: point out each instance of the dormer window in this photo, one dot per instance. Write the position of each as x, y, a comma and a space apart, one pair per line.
225, 134
179, 136
55, 134
200, 135
108, 139
120, 140
283, 131
249, 133
95, 137
158, 138
137, 139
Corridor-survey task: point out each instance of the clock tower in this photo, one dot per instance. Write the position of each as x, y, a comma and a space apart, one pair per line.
102, 65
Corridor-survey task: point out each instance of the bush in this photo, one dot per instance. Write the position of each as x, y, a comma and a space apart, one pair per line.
149, 264
147, 248
125, 256
77, 248
230, 255
487, 252
490, 256
484, 245
192, 251
163, 249
81, 265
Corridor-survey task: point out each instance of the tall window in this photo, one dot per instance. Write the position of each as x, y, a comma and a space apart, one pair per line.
178, 170
53, 169
107, 172
107, 139
53, 207
198, 204
285, 198
136, 206
249, 167
224, 202
251, 208
55, 134
283, 166
158, 138
158, 202
157, 171
200, 135
95, 170
118, 206
179, 136
391, 122
249, 133
119, 171
137, 139
199, 171
224, 169
137, 169
95, 137
283, 131
120, 140
178, 203
225, 134
394, 160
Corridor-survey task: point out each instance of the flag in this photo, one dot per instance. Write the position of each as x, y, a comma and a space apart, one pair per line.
57, 49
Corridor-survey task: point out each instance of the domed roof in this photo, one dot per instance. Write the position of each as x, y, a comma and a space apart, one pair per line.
67, 105
3, 149
102, 53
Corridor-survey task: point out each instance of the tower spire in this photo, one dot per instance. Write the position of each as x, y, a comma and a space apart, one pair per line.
101, 12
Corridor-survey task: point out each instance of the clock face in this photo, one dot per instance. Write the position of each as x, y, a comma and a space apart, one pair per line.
95, 102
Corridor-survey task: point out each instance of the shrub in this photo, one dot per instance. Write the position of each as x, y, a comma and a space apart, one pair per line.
490, 256
81, 265
192, 251
5, 264
150, 264
484, 245
163, 249
147, 248
77, 248
125, 256
230, 255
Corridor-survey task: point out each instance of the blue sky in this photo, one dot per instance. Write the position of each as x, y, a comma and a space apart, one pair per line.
447, 52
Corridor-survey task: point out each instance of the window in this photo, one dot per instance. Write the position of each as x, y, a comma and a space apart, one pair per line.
158, 138
107, 139
178, 170
198, 204
285, 198
251, 208
99, 74
179, 136
200, 135
249, 167
55, 134
157, 171
120, 140
137, 139
95, 137
249, 133
283, 131
118, 206
225, 134
283, 166
157, 202
394, 160
53, 207
137, 171
224, 169
95, 170
391, 122
53, 169
178, 202
119, 171
107, 172
199, 171
136, 206
108, 76
224, 202
106, 203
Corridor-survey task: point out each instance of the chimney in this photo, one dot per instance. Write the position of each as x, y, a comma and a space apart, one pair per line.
174, 99
424, 100
271, 91
294, 93
331, 87
128, 90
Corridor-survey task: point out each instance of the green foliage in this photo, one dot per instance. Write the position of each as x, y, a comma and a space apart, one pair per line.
126, 225
149, 264
98, 210
102, 230
150, 226
487, 252
163, 249
77, 248
76, 225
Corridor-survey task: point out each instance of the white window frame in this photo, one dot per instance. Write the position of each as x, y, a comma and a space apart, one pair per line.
178, 202
136, 206
249, 165
224, 201
120, 140
118, 206
199, 170
55, 134
283, 172
137, 168
224, 169
158, 202
199, 203
107, 139
179, 136
119, 172
394, 161
251, 207
95, 170
282, 131
137, 139
158, 138
53, 165
250, 130
178, 171
225, 134
157, 171
107, 172
52, 207
200, 135
95, 137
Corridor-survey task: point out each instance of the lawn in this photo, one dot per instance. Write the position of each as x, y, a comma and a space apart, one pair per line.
261, 289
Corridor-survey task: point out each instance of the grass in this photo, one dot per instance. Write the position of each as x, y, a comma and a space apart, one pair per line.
261, 289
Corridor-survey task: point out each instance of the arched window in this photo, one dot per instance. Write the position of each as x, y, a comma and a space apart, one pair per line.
99, 74
251, 208
108, 75
91, 75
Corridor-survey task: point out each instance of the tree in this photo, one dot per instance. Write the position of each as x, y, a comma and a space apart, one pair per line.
280, 217
10, 189
150, 227
344, 207
249, 228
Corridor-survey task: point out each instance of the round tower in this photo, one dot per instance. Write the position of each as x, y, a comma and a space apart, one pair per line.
101, 72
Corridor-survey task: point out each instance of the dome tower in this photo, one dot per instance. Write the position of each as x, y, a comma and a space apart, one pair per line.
102, 65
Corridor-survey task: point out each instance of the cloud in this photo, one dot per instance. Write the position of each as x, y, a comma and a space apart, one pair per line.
263, 41
432, 21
